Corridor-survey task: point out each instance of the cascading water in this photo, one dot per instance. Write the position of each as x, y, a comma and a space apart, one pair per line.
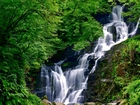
67, 87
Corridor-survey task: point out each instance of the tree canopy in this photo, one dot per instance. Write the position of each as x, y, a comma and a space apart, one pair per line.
27, 38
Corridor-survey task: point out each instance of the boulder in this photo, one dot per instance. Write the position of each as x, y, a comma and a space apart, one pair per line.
58, 103
112, 104
46, 102
90, 103
77, 104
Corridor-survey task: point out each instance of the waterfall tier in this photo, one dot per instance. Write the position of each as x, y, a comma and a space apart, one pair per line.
68, 86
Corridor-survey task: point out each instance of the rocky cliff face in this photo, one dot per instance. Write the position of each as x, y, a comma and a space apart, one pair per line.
117, 69
119, 66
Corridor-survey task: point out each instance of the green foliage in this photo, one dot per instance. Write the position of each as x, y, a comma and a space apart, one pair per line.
32, 31
27, 38
79, 27
133, 10
132, 93
127, 69
29, 30
125, 2
133, 45
128, 1
116, 71
119, 81
14, 93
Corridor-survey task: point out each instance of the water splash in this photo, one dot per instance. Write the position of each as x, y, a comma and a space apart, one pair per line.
67, 87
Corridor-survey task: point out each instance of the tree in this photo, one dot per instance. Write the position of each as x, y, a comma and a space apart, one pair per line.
133, 11
27, 38
79, 27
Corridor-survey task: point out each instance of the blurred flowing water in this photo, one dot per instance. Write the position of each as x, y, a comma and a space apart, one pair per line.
67, 87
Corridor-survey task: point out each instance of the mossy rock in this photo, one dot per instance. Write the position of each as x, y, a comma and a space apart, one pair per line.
119, 66
58, 103
46, 102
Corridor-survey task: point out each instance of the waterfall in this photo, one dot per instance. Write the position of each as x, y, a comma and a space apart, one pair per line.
68, 86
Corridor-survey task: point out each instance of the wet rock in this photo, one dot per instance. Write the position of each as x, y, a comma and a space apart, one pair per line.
58, 103
90, 103
101, 86
122, 102
112, 104
106, 80
46, 102
98, 103
77, 104
93, 103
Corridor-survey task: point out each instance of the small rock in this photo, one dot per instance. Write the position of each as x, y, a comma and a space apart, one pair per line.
112, 104
77, 104
90, 103
46, 102
106, 80
122, 102
98, 103
59, 103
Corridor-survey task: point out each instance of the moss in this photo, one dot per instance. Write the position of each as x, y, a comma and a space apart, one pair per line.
118, 68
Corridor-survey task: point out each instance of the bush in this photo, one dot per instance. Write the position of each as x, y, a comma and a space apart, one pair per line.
132, 93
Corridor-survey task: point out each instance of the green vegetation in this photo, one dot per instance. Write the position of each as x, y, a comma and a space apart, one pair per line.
32, 31
79, 27
132, 93
27, 38
118, 75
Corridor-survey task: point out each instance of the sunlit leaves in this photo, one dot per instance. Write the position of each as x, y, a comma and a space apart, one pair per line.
78, 22
29, 23
132, 92
81, 45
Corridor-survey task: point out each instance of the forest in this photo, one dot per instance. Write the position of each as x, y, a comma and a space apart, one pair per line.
33, 31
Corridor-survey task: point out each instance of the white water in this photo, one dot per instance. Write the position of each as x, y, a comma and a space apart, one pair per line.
67, 87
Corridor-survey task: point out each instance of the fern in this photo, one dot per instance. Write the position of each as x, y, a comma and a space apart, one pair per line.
132, 93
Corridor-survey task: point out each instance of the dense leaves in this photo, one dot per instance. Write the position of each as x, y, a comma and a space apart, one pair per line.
134, 9
31, 31
132, 93
27, 38
79, 27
